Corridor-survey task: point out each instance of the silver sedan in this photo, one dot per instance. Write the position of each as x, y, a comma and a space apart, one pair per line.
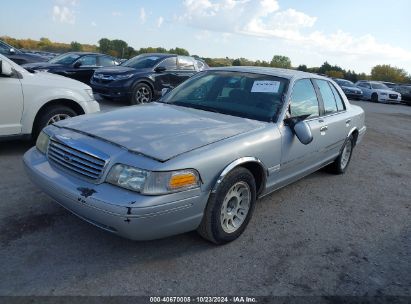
200, 157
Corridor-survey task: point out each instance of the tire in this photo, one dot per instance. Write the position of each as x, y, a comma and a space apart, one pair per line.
340, 165
142, 93
229, 210
50, 115
374, 97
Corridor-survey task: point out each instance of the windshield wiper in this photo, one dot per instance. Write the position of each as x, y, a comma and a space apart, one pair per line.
196, 106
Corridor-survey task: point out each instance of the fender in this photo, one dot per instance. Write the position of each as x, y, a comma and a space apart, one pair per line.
235, 164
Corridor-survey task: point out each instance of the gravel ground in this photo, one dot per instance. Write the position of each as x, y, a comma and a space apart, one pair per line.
324, 235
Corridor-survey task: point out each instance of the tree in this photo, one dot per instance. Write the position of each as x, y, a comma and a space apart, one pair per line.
119, 46
75, 46
279, 61
104, 45
386, 72
302, 67
179, 51
236, 62
335, 74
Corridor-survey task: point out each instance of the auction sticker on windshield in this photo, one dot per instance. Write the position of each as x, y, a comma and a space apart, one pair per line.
265, 86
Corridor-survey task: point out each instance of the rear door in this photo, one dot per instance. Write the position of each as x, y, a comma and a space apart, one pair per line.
187, 67
11, 105
335, 121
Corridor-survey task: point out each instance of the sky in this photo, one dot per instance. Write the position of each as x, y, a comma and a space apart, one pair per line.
354, 34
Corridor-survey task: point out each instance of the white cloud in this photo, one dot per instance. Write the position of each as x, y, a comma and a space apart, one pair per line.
265, 19
116, 14
63, 14
160, 21
143, 16
93, 24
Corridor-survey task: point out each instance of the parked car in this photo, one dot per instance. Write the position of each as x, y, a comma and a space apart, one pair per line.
18, 56
77, 65
201, 156
349, 89
378, 92
390, 85
30, 101
142, 78
405, 91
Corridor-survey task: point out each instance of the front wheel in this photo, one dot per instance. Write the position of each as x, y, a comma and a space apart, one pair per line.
340, 165
51, 115
230, 209
142, 93
374, 97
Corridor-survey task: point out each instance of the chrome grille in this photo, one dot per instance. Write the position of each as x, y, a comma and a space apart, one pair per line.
393, 96
76, 161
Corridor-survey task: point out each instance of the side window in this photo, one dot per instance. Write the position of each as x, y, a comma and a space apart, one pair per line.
186, 63
106, 61
338, 99
169, 63
88, 61
328, 97
304, 99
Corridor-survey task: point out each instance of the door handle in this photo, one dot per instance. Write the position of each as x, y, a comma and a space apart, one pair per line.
348, 121
324, 128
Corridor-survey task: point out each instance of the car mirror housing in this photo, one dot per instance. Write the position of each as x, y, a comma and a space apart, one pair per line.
12, 51
6, 69
303, 132
164, 91
160, 69
77, 65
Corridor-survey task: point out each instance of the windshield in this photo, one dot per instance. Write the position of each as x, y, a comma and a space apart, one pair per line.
247, 95
65, 59
379, 86
345, 83
142, 61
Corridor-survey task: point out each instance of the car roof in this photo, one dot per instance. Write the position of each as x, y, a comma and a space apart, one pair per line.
86, 53
159, 54
284, 73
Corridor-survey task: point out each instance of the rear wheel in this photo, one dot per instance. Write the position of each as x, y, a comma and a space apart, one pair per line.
230, 209
374, 97
340, 165
142, 93
51, 115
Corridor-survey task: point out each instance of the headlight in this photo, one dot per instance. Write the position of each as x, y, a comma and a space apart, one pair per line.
90, 93
122, 77
152, 183
383, 93
42, 142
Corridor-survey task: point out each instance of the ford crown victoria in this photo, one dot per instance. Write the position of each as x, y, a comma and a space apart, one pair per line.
200, 157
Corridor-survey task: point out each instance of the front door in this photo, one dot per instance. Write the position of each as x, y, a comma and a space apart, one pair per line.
11, 105
298, 159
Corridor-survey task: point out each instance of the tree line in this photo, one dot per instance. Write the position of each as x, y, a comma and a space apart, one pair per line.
120, 49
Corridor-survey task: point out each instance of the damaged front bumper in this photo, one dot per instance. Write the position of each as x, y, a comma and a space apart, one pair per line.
126, 213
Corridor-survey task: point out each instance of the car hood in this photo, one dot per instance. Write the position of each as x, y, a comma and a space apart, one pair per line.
386, 91
49, 80
41, 65
160, 131
116, 70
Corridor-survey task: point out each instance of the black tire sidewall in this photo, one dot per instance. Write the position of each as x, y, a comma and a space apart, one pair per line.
134, 92
49, 113
237, 175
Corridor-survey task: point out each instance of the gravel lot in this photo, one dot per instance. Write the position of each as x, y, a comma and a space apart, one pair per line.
324, 235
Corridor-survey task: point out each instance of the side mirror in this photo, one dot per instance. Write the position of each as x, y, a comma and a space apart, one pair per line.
77, 65
12, 51
164, 91
160, 69
303, 132
6, 69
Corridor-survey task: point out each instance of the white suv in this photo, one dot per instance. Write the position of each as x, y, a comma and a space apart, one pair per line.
31, 101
